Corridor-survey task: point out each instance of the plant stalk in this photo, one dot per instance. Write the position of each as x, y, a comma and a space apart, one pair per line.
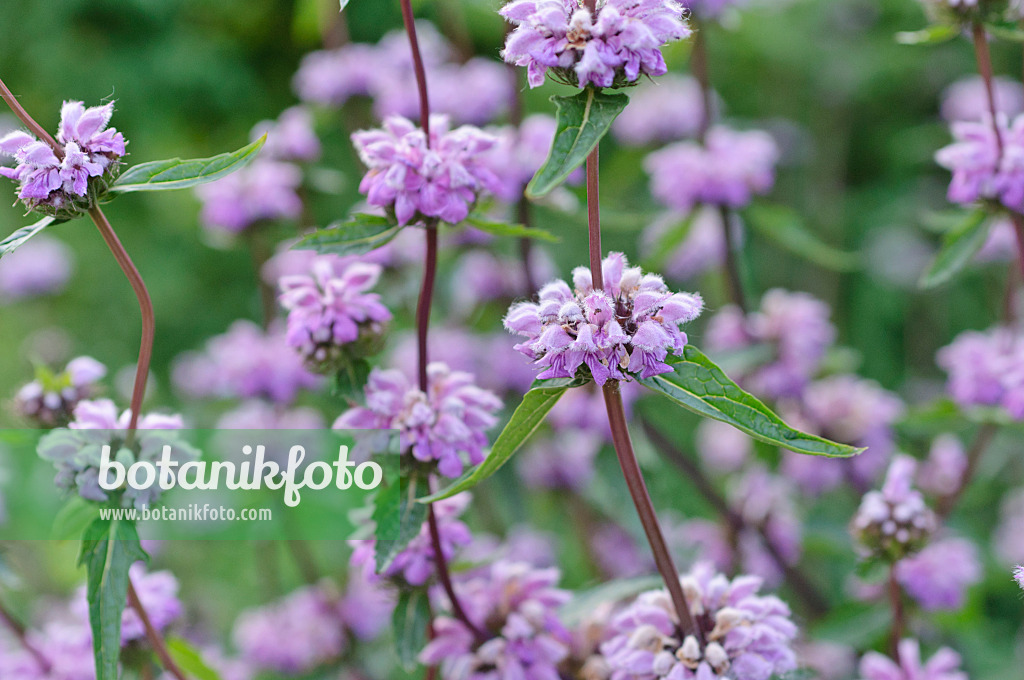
417, 63
732, 266
594, 219
153, 635
444, 576
981, 442
18, 631
984, 59
898, 614
34, 127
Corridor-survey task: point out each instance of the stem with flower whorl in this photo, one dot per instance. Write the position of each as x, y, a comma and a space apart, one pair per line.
153, 635
620, 431
19, 632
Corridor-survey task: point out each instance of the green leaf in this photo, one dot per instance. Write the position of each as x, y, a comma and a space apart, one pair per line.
1006, 32
959, 246
933, 35
405, 524
513, 230
582, 121
349, 381
699, 385
74, 518
541, 398
785, 227
410, 622
175, 173
585, 602
190, 660
109, 548
18, 238
358, 235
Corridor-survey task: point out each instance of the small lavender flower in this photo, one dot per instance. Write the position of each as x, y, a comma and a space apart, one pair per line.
625, 330
1018, 576
748, 636
50, 399
293, 635
76, 452
66, 646
1001, 244
291, 137
944, 470
517, 604
416, 183
367, 603
664, 111
967, 99
474, 92
938, 577
415, 564
702, 249
42, 266
611, 49
265, 190
729, 169
330, 310
795, 325
944, 665
983, 369
68, 186
894, 522
565, 460
980, 171
441, 425
519, 153
245, 362
483, 276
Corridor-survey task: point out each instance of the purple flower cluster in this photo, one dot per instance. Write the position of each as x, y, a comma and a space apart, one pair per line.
748, 636
794, 325
517, 604
894, 522
307, 621
944, 665
330, 309
245, 362
420, 183
440, 425
664, 111
69, 185
938, 577
519, 153
943, 471
986, 369
625, 330
612, 49
702, 249
50, 399
729, 168
41, 266
76, 451
158, 593
415, 564
980, 171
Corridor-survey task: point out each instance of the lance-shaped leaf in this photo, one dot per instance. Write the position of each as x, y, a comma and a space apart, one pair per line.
190, 660
18, 238
344, 4
699, 385
393, 529
537, 402
175, 173
582, 121
512, 230
410, 621
357, 235
932, 35
109, 548
785, 227
959, 246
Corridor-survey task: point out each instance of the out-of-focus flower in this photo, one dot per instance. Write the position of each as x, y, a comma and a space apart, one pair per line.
938, 577
475, 92
894, 522
518, 604
68, 186
565, 460
794, 325
50, 399
65, 645
830, 660
944, 470
76, 452
519, 153
747, 635
985, 369
442, 425
702, 248
980, 171
612, 49
625, 330
291, 137
158, 593
729, 169
333, 77
415, 564
967, 99
1007, 539
1018, 576
331, 311
265, 190
1001, 244
944, 665
41, 266
245, 362
483, 276
293, 635
259, 415
670, 109
418, 183
722, 447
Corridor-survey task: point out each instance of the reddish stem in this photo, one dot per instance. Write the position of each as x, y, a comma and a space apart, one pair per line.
417, 63
981, 442
898, 613
424, 304
699, 68
1018, 228
594, 219
30, 122
19, 632
145, 306
153, 635
732, 266
446, 580
984, 59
